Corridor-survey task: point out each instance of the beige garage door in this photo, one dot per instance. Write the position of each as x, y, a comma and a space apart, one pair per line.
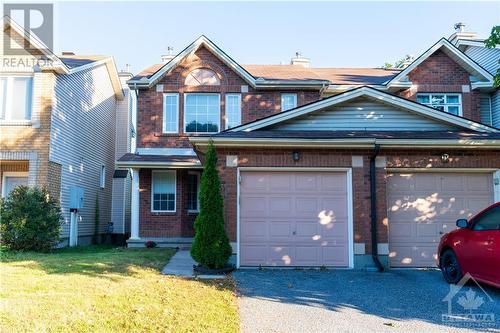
424, 206
294, 219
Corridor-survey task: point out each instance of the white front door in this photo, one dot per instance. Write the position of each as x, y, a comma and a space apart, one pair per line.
11, 180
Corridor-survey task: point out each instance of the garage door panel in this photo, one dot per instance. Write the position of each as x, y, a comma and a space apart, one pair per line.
335, 255
254, 183
294, 225
334, 182
423, 206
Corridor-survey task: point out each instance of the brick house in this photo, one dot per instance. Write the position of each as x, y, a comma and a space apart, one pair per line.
59, 118
319, 166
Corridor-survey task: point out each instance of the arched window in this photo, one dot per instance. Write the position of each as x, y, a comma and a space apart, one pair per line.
202, 77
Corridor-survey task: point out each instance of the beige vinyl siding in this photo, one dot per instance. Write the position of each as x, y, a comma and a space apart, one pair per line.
362, 114
485, 109
487, 58
82, 140
120, 214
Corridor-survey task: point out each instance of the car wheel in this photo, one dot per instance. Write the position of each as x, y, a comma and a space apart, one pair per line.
450, 267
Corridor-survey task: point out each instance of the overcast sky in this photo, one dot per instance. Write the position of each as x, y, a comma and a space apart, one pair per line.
331, 34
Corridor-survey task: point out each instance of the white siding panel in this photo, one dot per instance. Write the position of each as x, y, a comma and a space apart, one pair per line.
363, 114
485, 109
83, 139
495, 108
487, 58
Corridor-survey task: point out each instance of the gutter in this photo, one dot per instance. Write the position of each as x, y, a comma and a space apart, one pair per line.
373, 208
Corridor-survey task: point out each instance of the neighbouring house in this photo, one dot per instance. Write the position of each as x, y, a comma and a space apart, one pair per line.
60, 117
489, 59
343, 167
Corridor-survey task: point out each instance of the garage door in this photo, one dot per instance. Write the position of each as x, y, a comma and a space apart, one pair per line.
294, 219
424, 206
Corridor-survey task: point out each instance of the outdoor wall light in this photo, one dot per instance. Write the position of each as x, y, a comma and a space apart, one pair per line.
296, 156
445, 158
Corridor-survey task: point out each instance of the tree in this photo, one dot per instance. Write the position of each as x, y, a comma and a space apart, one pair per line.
211, 246
30, 220
492, 42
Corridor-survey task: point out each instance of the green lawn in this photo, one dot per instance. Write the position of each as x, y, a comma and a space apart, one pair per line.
104, 289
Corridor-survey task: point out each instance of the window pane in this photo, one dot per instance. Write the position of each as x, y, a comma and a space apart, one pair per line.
489, 221
202, 113
192, 192
164, 191
437, 99
439, 107
452, 99
21, 99
424, 99
453, 110
288, 101
170, 114
3, 96
233, 110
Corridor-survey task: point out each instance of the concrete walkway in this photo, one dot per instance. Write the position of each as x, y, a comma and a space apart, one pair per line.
181, 264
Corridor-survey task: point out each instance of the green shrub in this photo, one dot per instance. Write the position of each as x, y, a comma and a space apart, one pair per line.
211, 246
30, 220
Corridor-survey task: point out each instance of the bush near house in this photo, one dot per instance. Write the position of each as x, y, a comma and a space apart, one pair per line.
29, 220
211, 246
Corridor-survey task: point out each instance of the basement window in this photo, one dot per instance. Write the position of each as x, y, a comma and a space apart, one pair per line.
451, 103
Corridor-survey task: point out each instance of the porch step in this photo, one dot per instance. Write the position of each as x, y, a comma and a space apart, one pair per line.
183, 243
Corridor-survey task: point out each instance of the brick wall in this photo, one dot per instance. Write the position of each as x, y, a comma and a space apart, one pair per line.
439, 73
178, 224
255, 104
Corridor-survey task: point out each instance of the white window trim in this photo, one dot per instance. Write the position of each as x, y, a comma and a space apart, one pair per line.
294, 99
8, 102
226, 123
444, 105
198, 179
184, 120
164, 122
102, 176
152, 191
7, 174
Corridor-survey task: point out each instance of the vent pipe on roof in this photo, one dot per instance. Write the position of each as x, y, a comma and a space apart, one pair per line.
70, 53
459, 27
300, 60
169, 56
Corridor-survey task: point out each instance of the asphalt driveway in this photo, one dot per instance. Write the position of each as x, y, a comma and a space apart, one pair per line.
359, 301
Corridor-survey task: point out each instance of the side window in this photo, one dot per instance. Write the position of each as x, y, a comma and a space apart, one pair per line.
233, 110
488, 221
288, 101
170, 113
102, 177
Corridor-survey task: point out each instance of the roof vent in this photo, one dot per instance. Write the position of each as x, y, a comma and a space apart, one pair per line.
169, 56
68, 53
459, 27
300, 60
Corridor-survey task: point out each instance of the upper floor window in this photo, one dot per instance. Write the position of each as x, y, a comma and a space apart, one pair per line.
202, 77
201, 113
15, 98
170, 113
288, 101
233, 110
451, 103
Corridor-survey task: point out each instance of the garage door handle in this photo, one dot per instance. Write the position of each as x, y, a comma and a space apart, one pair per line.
294, 233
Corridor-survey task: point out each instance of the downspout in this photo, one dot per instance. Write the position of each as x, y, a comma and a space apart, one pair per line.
373, 208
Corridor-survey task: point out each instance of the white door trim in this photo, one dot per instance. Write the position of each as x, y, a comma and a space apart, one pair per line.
12, 174
350, 219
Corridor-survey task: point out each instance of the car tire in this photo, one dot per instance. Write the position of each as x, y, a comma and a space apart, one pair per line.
450, 267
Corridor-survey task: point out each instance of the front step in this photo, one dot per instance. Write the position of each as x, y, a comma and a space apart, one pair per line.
183, 243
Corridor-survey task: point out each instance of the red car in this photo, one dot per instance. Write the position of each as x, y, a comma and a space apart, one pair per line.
473, 248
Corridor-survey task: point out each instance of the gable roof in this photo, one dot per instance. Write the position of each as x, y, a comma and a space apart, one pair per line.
485, 77
369, 92
66, 64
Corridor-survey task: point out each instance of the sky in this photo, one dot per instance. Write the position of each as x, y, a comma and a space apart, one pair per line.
331, 34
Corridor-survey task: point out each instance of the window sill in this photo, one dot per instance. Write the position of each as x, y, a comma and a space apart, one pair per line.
15, 123
163, 212
193, 211
158, 134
